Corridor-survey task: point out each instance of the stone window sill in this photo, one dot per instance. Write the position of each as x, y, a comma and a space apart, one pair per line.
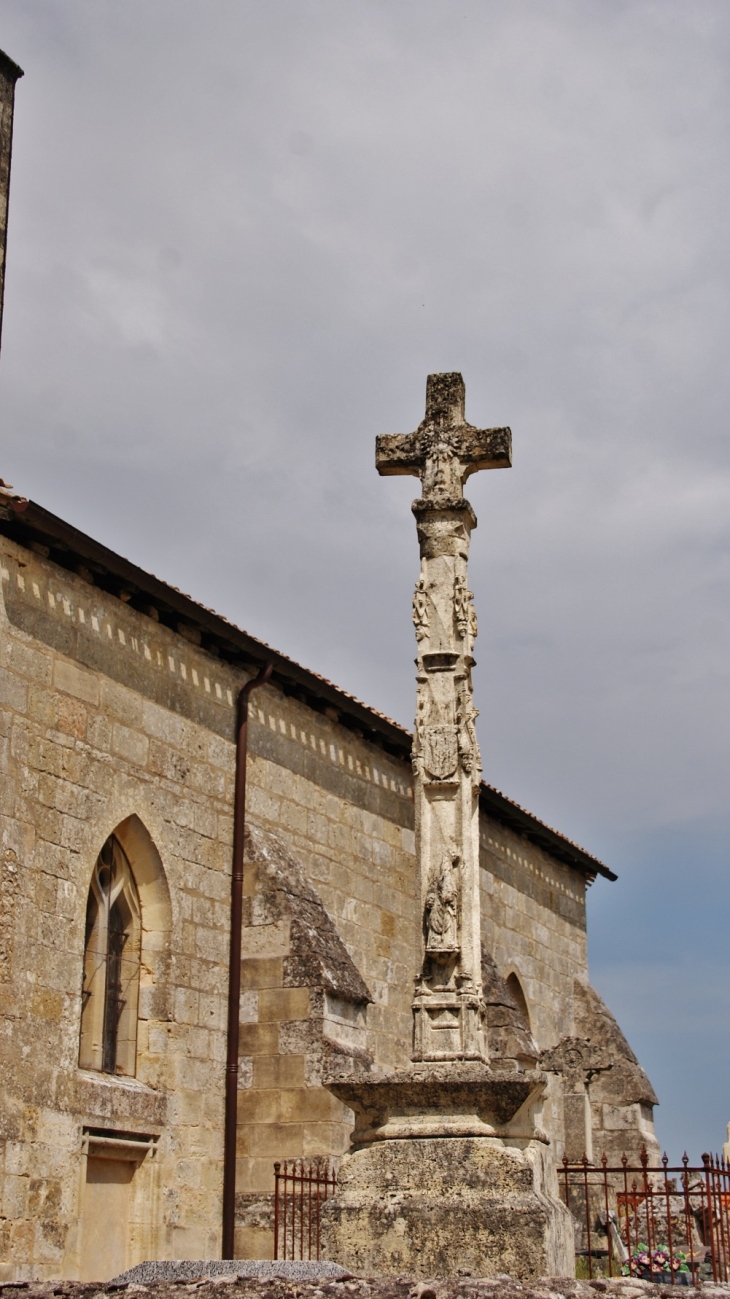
118, 1081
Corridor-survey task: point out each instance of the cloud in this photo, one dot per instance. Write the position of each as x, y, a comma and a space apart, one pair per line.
240, 237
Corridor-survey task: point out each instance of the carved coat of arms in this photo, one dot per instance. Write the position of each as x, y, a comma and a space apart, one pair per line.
440, 751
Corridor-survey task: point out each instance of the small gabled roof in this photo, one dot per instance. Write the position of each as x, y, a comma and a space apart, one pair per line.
32, 526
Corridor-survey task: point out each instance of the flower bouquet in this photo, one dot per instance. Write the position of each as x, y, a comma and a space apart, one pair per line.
658, 1265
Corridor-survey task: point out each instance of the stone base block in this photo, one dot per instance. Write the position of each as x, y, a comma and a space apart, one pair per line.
431, 1207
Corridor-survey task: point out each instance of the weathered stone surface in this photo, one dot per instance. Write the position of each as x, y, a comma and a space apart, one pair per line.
317, 956
459, 1098
508, 1034
444, 450
434, 1205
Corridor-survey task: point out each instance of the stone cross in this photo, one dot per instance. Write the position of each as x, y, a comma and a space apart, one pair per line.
578, 1060
448, 1006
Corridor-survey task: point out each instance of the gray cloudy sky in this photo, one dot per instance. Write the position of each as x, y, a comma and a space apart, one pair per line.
241, 234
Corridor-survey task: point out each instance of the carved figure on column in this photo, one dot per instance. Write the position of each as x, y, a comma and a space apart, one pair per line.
466, 717
442, 909
420, 610
464, 612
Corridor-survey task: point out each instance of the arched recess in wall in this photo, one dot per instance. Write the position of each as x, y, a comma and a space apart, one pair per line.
515, 987
126, 952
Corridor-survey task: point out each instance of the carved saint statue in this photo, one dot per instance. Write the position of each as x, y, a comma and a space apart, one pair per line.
442, 906
466, 715
441, 475
420, 610
465, 613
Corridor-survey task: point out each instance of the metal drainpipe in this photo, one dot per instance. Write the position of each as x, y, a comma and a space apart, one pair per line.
234, 968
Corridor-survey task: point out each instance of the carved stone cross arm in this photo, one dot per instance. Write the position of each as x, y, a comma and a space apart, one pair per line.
444, 450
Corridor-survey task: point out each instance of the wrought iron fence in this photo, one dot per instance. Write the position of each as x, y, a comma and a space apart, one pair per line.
300, 1190
660, 1224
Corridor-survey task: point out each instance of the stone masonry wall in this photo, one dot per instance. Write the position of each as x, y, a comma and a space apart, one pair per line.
106, 715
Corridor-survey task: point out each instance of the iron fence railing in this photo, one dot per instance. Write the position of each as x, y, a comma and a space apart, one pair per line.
664, 1224
300, 1190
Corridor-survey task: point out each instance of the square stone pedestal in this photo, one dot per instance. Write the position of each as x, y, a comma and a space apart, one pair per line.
448, 1172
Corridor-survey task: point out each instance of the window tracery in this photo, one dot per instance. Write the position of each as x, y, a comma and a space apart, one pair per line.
110, 993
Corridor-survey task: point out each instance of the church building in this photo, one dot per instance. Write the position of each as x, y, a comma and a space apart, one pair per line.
117, 716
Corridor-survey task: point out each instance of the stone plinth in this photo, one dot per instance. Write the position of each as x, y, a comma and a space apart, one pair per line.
463, 1098
449, 1170
433, 1206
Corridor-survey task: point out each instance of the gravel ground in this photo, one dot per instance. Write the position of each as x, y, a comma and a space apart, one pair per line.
188, 1270
279, 1286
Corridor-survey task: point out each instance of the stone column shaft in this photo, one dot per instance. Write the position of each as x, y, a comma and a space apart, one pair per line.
448, 1006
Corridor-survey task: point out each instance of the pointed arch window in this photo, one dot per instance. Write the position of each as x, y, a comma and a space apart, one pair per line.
110, 993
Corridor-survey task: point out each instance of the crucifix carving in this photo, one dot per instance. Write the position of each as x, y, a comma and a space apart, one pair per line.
448, 1006
444, 450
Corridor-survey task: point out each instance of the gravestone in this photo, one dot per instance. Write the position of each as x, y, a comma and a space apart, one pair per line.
448, 1168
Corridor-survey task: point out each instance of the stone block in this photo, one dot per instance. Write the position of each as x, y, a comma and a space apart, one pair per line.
262, 1106
309, 1105
121, 703
262, 940
262, 972
13, 691
70, 721
283, 1004
15, 1196
199, 1043
210, 944
212, 1007
186, 1006
434, 1207
326, 1139
259, 1039
262, 806
99, 733
207, 781
30, 662
276, 1140
255, 1174
130, 745
161, 723
249, 1007
76, 681
254, 1242
278, 1071
221, 753
47, 1005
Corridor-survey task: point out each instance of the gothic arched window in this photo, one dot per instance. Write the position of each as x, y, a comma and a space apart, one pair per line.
111, 965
